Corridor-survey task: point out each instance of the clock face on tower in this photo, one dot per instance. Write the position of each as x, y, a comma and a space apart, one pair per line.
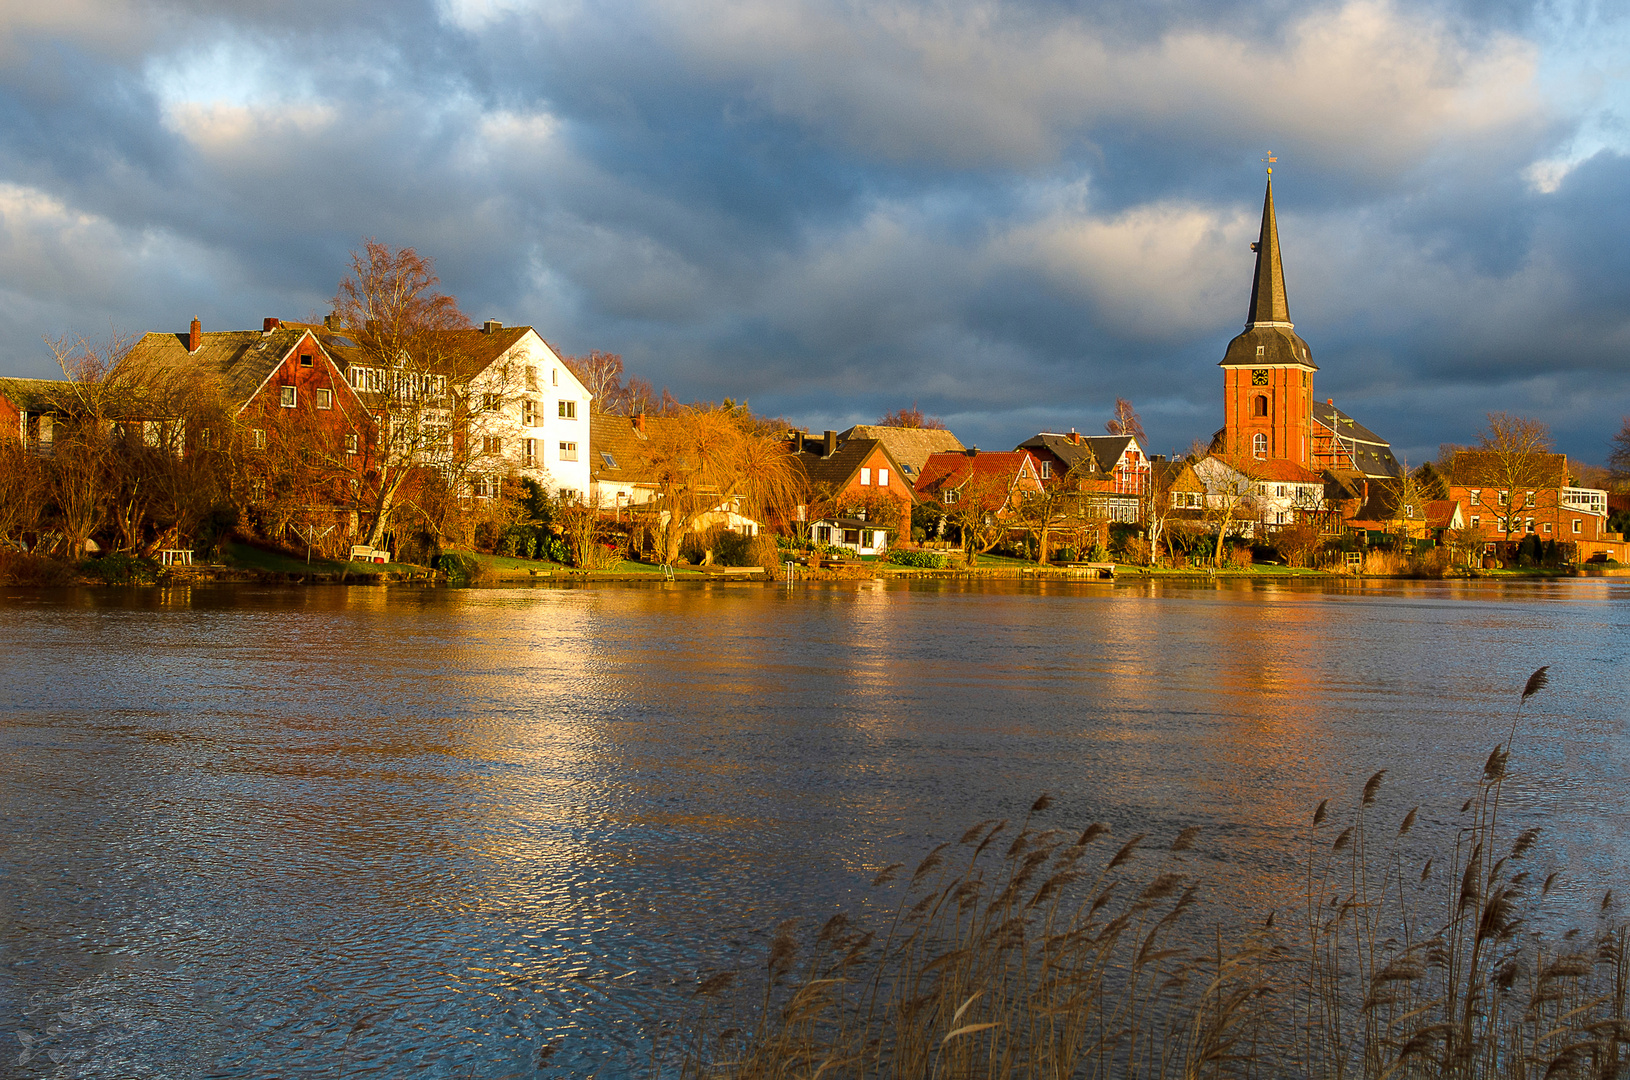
1259, 376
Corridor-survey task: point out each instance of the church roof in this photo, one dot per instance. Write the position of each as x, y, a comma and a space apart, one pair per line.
1269, 338
1268, 303
1372, 455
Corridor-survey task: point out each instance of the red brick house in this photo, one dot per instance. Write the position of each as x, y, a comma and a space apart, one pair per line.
1545, 505
859, 491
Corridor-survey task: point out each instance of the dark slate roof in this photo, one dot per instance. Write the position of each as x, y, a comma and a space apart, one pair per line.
1267, 322
838, 470
1099, 453
1373, 453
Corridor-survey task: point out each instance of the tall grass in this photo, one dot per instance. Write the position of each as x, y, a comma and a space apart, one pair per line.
1030, 951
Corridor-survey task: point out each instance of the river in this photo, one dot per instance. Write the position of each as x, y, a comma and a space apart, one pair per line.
399, 832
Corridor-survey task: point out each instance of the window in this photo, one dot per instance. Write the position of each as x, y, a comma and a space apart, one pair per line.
286, 397
865, 477
529, 452
259, 490
1529, 525
492, 444
568, 451
1500, 525
531, 378
529, 414
949, 497
568, 495
868, 538
325, 399
1529, 501
568, 410
1545, 527
489, 402
882, 478
554, 376
1578, 525
257, 438
1476, 495
823, 534
1261, 351
305, 359
611, 462
1260, 406
1505, 497
1047, 470
851, 536
351, 444
1259, 445
1477, 522
203, 437
1279, 491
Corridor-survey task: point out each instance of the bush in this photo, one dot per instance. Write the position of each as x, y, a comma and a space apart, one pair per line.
460, 568
1237, 556
762, 550
121, 569
731, 548
21, 568
926, 560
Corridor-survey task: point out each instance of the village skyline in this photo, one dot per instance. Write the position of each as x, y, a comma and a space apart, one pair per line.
806, 208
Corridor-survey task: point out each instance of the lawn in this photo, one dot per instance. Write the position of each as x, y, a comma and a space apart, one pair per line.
253, 558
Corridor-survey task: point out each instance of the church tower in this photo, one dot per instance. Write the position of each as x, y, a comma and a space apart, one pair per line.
1267, 370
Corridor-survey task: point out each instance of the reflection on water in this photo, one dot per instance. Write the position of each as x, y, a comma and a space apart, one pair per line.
430, 832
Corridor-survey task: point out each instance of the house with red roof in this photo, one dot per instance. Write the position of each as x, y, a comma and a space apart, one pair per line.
999, 479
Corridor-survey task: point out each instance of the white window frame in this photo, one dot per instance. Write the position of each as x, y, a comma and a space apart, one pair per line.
324, 398
529, 413
865, 478
568, 451
257, 438
352, 443
287, 396
882, 478
567, 409
529, 452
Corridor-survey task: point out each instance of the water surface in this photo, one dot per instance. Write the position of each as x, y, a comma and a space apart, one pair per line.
398, 832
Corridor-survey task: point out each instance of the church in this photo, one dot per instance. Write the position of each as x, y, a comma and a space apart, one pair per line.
1271, 413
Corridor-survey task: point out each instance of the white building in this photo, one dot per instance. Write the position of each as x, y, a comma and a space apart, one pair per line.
529, 416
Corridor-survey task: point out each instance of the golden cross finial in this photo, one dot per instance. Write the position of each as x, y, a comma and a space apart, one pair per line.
1270, 159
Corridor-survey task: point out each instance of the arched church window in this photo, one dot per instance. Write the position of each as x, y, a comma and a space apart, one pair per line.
1261, 405
1259, 445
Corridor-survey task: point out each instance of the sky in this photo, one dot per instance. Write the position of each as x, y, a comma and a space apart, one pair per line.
1008, 214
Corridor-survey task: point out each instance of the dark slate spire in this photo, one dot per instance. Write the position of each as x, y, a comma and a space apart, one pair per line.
1268, 304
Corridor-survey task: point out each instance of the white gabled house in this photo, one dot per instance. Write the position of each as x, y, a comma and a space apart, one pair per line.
527, 414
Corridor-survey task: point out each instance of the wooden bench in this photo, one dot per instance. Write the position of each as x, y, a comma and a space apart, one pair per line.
733, 571
364, 553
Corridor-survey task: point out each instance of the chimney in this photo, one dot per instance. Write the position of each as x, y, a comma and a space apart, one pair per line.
1330, 401
1075, 437
331, 321
195, 335
268, 324
639, 422
491, 326
831, 446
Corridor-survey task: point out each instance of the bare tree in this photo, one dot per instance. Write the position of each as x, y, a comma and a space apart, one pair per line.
910, 418
1060, 506
400, 323
601, 374
1231, 482
1510, 467
1125, 421
23, 489
1618, 458
710, 460
980, 508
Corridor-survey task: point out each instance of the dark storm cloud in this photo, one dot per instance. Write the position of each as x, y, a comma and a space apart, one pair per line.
1007, 214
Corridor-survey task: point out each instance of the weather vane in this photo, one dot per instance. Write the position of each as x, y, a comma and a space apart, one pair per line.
1270, 159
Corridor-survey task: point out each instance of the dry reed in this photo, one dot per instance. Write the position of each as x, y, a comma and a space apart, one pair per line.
1023, 951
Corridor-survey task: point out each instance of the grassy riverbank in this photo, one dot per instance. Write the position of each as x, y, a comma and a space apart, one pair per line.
1030, 950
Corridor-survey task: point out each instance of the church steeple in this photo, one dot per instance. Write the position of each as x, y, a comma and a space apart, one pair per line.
1268, 305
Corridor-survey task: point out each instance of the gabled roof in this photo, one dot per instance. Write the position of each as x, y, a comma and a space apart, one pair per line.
1169, 474
1095, 453
954, 470
1280, 471
1481, 468
1442, 514
469, 351
838, 470
243, 359
614, 455
909, 447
